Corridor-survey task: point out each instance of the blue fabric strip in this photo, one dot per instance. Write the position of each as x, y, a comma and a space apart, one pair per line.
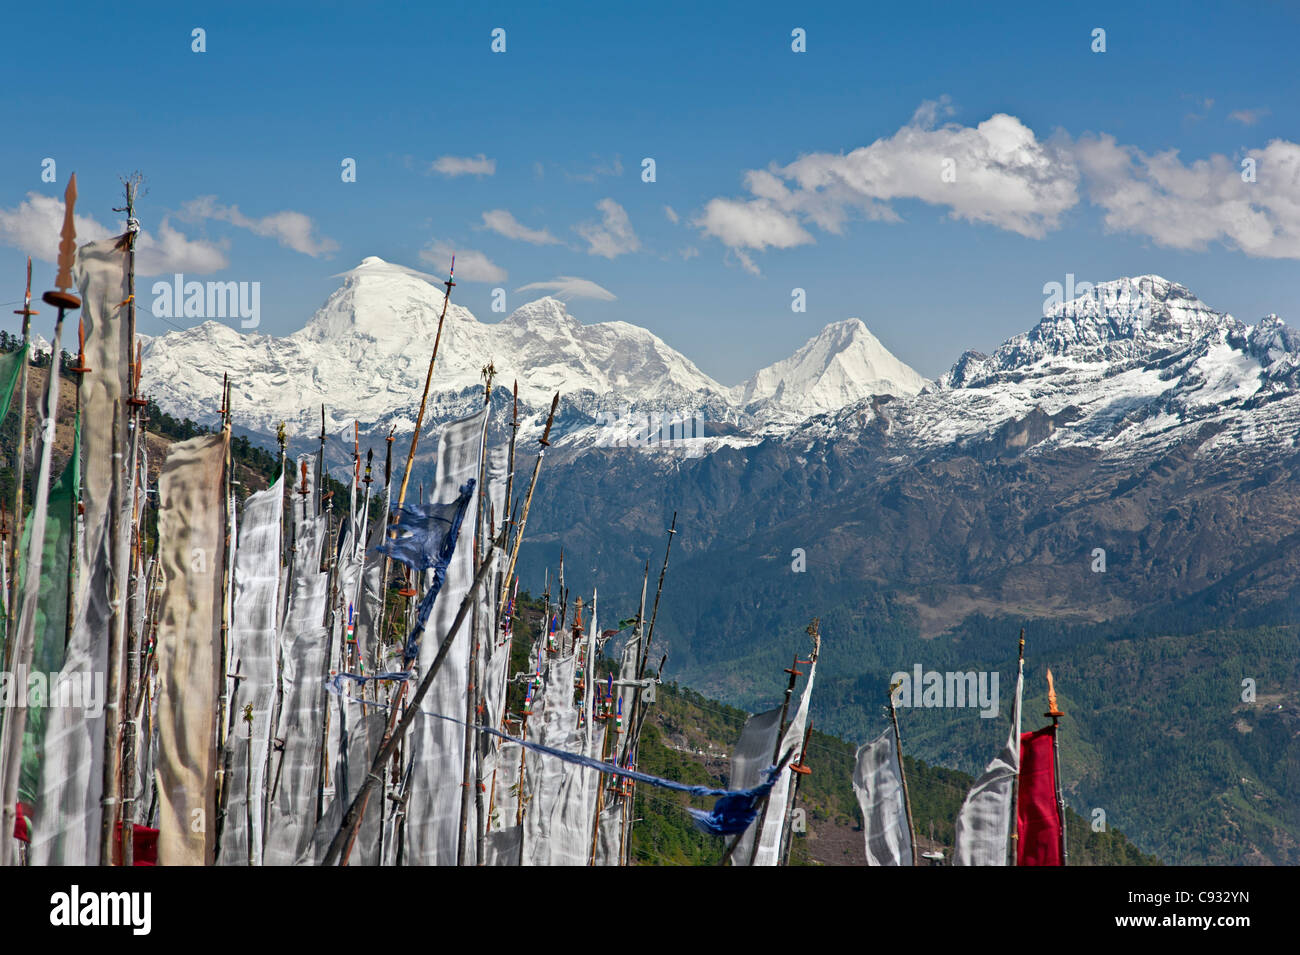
734, 811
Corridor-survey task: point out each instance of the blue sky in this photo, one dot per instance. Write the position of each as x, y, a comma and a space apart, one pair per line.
1103, 164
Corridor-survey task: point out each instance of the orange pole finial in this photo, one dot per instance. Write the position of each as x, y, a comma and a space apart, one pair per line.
80, 367
62, 298
27, 311
1052, 710
68, 236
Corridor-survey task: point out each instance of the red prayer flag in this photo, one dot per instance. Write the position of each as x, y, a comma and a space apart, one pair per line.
20, 823
1038, 822
144, 840
144, 844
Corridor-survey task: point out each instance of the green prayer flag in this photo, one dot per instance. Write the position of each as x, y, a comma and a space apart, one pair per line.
11, 366
51, 608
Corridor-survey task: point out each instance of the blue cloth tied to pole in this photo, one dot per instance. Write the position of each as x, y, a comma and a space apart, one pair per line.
734, 811
423, 537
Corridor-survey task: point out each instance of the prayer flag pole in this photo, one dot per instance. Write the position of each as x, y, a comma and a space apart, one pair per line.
1056, 715
1015, 783
898, 746
428, 379
26, 312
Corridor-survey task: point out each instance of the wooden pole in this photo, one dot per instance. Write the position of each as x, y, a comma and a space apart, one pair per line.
377, 636
395, 702
136, 403
15, 542
74, 505
331, 589
654, 613
112, 683
510, 483
758, 819
225, 718
639, 705
600, 798
469, 778
795, 673
223, 685
1015, 783
898, 746
248, 783
1055, 713
118, 689
545, 442
130, 727
428, 380
623, 755
800, 769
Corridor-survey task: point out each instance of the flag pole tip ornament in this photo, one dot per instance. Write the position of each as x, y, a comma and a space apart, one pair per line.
80, 367
60, 297
1053, 710
27, 311
545, 439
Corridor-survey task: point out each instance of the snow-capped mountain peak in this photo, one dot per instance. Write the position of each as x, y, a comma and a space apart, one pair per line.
841, 364
364, 355
383, 302
1120, 322
544, 313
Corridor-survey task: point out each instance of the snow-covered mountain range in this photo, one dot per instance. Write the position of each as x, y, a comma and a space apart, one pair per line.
364, 355
1132, 364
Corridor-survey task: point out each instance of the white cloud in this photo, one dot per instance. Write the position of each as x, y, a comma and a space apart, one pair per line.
613, 235
33, 226
568, 286
747, 262
503, 223
170, 251
1188, 205
1002, 175
478, 165
751, 224
293, 230
471, 265
672, 215
1247, 117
